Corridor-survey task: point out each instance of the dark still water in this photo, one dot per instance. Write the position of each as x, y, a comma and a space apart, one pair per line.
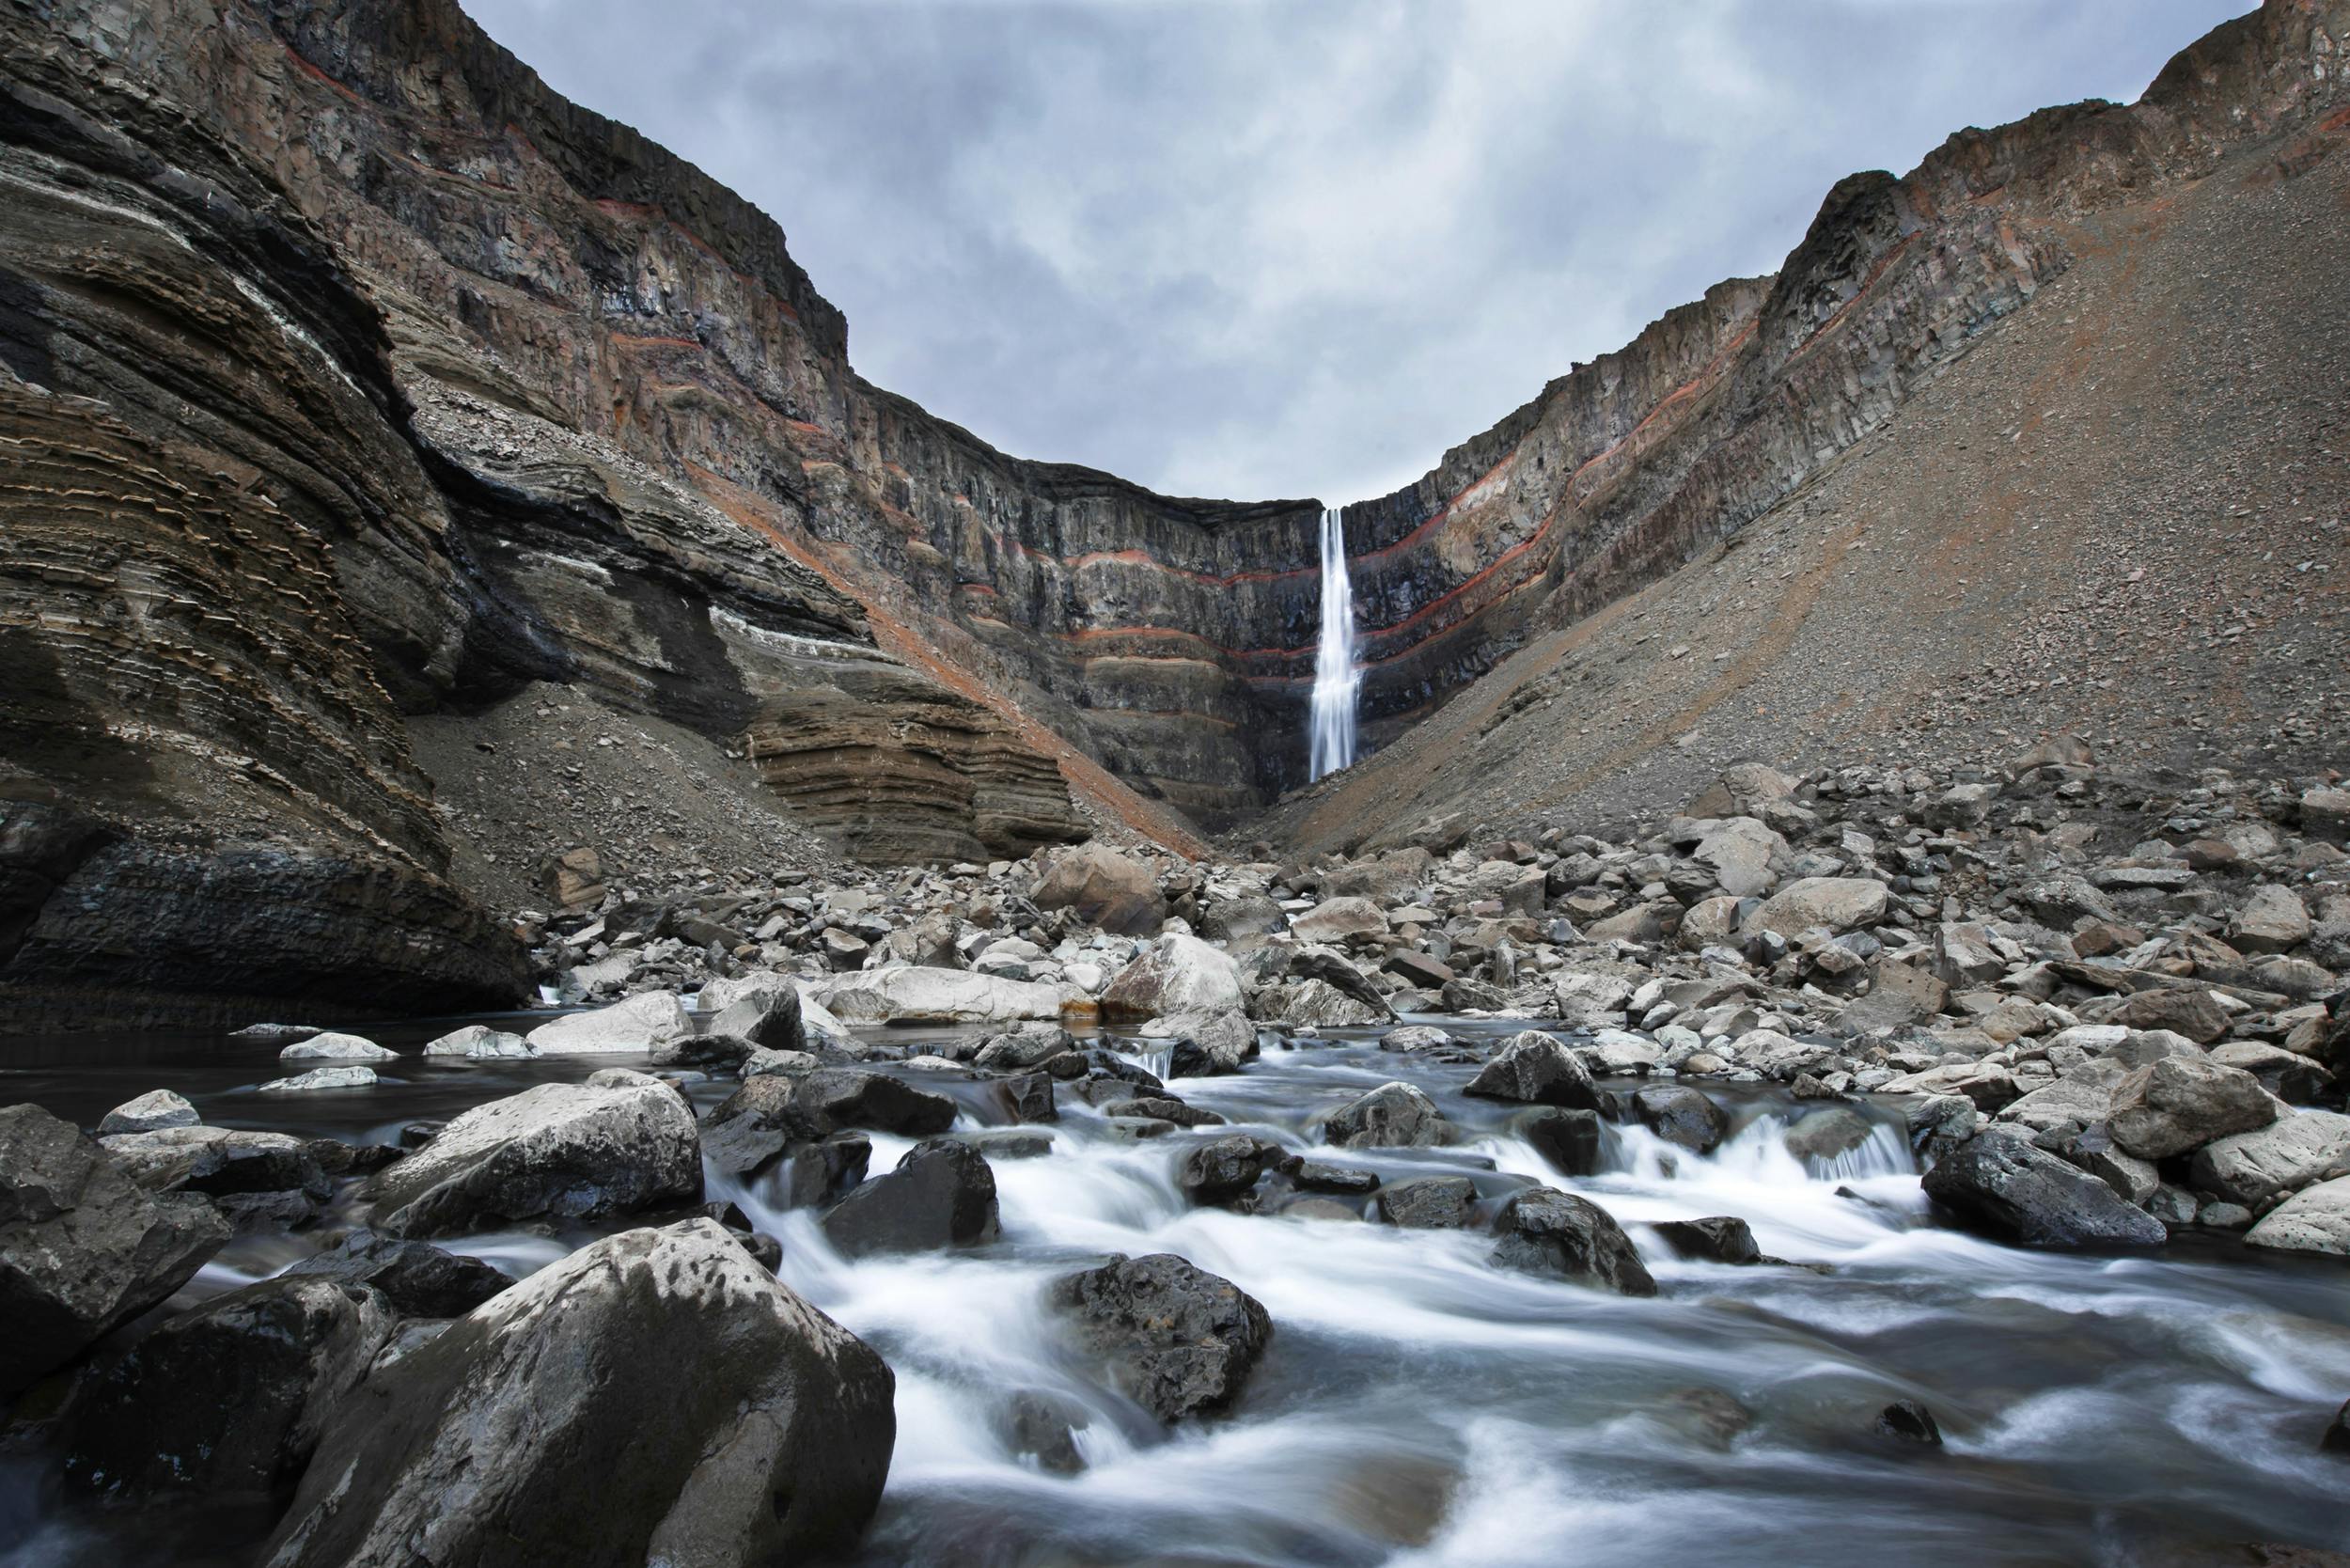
1420, 1408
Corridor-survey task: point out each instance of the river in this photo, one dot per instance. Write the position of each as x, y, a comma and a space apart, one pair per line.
1420, 1407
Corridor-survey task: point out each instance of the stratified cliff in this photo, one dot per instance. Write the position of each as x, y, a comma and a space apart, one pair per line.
351, 375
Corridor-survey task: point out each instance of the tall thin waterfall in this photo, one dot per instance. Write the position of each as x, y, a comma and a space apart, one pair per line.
1336, 677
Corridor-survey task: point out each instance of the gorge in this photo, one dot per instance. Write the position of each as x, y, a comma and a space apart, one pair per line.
618, 945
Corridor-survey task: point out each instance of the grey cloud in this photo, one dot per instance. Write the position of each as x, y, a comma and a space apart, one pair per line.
1299, 248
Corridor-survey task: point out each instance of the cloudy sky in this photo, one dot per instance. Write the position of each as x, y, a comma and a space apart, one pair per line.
1263, 248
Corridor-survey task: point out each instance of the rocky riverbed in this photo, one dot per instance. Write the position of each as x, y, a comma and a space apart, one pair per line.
1868, 1167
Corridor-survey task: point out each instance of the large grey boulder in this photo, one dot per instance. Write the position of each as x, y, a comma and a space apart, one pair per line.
228, 1399
1393, 1116
1999, 1181
566, 1151
419, 1280
2273, 920
923, 995
1107, 888
220, 1161
151, 1112
1738, 851
1179, 974
1544, 1230
1837, 902
2315, 1219
2284, 1156
1536, 1069
1682, 1115
656, 1397
639, 1024
942, 1194
1332, 967
2170, 1106
480, 1043
83, 1248
1336, 920
1180, 1342
768, 1017
1206, 1044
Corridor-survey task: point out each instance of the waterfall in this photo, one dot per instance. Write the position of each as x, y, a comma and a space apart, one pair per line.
1336, 677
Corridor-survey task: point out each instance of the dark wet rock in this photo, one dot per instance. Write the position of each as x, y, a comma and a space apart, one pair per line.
1161, 1109
1222, 1170
1428, 1203
1008, 1143
768, 1017
1547, 1231
1829, 1132
942, 1194
1574, 1142
1028, 1047
1708, 1415
1042, 1426
221, 1162
83, 1248
565, 1151
416, 1135
2337, 1437
1393, 1116
336, 1158
1999, 1181
843, 1097
1025, 1098
655, 1397
226, 1398
1906, 1420
1722, 1239
421, 1280
1316, 1176
1684, 1116
757, 1123
1536, 1069
1180, 1342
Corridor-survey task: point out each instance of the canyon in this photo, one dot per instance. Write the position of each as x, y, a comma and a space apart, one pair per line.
356, 381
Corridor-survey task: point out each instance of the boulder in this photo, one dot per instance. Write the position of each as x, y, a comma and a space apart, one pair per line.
320, 1078
336, 1047
1829, 1132
1682, 1115
1317, 1004
1899, 995
2273, 920
1742, 790
942, 1194
1544, 1230
2315, 1219
1999, 1181
1833, 902
1906, 1420
1572, 1142
2188, 1010
1223, 1169
838, 1097
1393, 1116
419, 1279
767, 1018
480, 1043
83, 1248
1330, 966
1179, 974
1336, 920
1109, 889
1590, 999
2325, 814
560, 1151
639, 1024
1428, 1203
921, 995
656, 1397
1739, 851
1722, 1239
219, 1162
1206, 1044
1022, 1049
1535, 1068
226, 1400
2178, 1104
151, 1112
2284, 1156
1180, 1342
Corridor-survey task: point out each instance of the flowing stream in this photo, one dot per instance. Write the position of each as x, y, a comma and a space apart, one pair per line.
1338, 678
1420, 1407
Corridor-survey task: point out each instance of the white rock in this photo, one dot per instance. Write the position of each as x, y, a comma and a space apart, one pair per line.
477, 1042
336, 1047
639, 1024
321, 1077
151, 1112
912, 994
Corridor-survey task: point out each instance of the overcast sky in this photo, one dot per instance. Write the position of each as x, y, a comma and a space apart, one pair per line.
1261, 248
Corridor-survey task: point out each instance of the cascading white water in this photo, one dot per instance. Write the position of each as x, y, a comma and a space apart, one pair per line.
1336, 677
